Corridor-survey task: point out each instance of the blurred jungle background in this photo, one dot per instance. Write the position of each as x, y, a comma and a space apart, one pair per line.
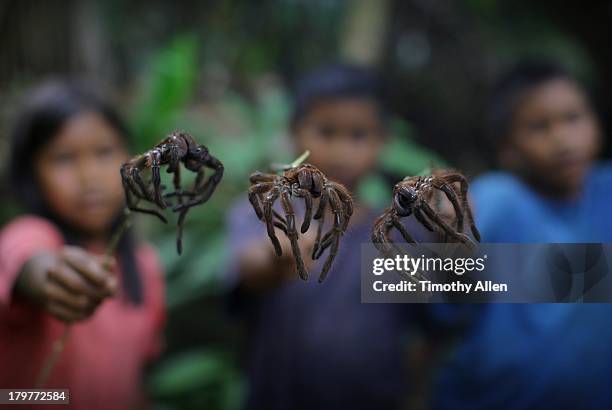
223, 71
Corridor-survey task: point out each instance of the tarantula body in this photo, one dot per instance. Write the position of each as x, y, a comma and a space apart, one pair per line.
305, 182
176, 149
411, 196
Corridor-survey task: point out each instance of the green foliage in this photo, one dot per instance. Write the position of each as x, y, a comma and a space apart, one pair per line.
199, 379
401, 157
511, 31
249, 39
166, 88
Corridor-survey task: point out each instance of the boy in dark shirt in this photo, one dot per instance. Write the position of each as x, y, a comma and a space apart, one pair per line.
315, 346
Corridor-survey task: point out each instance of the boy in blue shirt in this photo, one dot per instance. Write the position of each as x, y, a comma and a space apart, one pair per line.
524, 356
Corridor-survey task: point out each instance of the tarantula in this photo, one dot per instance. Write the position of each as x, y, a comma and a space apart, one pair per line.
176, 148
307, 182
410, 196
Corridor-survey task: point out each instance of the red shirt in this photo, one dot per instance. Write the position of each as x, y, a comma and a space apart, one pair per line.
104, 355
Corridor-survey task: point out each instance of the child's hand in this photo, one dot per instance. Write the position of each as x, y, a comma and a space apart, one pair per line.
69, 284
262, 269
286, 262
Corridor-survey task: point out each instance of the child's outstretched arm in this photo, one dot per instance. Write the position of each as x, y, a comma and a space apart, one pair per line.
260, 269
69, 284
252, 265
36, 266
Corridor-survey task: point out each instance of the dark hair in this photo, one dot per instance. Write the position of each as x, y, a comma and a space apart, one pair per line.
340, 80
511, 87
45, 110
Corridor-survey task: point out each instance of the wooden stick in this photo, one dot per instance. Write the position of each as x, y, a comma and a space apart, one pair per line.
59, 344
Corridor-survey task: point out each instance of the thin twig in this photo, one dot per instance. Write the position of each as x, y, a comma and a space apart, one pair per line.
52, 358
59, 344
280, 168
300, 159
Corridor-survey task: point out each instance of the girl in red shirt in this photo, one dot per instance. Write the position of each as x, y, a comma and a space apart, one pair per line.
66, 151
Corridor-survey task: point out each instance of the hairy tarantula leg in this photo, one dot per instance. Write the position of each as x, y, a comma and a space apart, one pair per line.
292, 234
346, 198
337, 229
330, 258
178, 193
303, 193
268, 218
452, 197
281, 226
148, 211
464, 200
281, 223
156, 179
200, 176
258, 177
423, 220
322, 203
317, 243
402, 230
328, 196
146, 192
181, 219
129, 200
279, 217
334, 235
179, 231
131, 192
129, 184
317, 184
327, 240
337, 208
322, 245
176, 180
461, 237
254, 192
206, 190
135, 189
379, 231
174, 163
254, 200
381, 234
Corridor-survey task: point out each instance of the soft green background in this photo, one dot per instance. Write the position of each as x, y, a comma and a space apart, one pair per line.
221, 70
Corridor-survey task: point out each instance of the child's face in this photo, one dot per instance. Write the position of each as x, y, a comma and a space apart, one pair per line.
78, 173
344, 137
554, 137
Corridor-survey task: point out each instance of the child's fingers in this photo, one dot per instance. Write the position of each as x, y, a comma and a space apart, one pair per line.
285, 244
55, 293
89, 267
108, 263
67, 277
308, 240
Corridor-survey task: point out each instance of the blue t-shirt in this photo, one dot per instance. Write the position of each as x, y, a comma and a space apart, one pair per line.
523, 356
